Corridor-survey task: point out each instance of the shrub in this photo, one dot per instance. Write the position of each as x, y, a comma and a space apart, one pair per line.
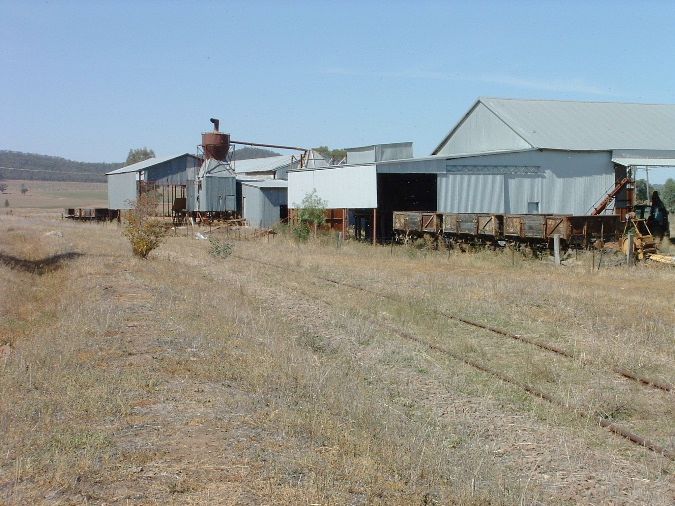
144, 231
312, 211
301, 232
220, 249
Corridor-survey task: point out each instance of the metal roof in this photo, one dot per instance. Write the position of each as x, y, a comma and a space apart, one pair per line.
583, 126
644, 158
139, 166
267, 183
267, 164
415, 160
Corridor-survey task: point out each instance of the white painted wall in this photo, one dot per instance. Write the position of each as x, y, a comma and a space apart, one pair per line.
122, 189
350, 187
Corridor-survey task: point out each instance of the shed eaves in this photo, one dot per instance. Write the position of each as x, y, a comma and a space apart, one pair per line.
268, 183
138, 166
584, 126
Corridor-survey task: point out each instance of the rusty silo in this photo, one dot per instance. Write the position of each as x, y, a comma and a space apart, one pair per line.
215, 144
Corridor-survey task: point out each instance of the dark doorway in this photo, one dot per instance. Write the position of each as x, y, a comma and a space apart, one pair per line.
403, 192
283, 212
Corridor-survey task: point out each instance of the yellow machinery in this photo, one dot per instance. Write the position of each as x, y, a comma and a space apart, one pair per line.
644, 244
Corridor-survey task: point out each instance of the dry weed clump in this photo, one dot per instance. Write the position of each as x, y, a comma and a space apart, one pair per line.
144, 231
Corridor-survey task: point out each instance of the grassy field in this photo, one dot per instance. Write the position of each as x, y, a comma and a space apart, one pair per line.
54, 195
190, 379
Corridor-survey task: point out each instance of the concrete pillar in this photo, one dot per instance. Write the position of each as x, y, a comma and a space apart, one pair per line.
556, 248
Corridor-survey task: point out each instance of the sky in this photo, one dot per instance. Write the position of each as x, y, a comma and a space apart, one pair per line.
88, 80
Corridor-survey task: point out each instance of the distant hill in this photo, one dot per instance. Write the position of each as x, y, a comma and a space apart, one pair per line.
19, 165
249, 152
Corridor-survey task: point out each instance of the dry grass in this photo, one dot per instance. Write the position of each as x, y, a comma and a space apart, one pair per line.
193, 379
52, 195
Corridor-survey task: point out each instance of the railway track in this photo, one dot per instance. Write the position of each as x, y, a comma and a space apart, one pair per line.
660, 385
601, 420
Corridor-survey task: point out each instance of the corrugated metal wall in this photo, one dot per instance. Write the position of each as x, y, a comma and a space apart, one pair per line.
173, 172
380, 152
471, 193
559, 182
261, 206
122, 189
556, 182
217, 194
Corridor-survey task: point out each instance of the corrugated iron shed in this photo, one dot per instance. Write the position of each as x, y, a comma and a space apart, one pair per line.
166, 171
265, 202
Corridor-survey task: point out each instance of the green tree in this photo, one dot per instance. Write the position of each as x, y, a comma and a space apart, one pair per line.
668, 194
641, 190
6, 203
24, 189
312, 211
138, 155
332, 155
3, 187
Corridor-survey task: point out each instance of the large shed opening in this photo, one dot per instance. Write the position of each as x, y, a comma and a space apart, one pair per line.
403, 192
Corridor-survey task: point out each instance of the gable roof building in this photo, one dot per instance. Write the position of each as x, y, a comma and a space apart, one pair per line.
497, 124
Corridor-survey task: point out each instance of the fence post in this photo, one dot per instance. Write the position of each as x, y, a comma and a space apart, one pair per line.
556, 248
630, 260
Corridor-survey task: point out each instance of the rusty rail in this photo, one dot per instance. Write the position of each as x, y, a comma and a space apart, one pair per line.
532, 390
666, 387
600, 420
544, 346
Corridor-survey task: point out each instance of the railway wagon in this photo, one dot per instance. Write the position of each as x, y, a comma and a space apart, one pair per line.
582, 231
473, 224
526, 227
90, 214
417, 222
539, 229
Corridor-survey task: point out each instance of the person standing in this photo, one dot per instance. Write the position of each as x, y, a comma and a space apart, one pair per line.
658, 215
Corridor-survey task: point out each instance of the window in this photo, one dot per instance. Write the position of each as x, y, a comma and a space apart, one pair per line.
533, 208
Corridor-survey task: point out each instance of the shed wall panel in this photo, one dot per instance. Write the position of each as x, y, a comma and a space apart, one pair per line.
122, 189
561, 182
361, 155
173, 172
350, 187
471, 193
482, 131
262, 206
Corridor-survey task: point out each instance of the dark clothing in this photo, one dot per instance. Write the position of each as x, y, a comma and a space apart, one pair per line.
658, 212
